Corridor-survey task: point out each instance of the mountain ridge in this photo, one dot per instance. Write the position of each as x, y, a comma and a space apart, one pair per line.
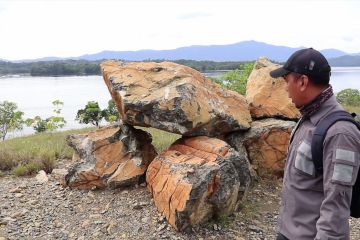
241, 51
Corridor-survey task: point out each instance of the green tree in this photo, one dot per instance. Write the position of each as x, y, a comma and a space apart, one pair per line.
236, 80
10, 118
349, 97
90, 114
110, 113
51, 123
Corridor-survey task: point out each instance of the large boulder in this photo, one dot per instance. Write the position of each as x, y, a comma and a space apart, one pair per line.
114, 156
174, 98
266, 144
196, 179
267, 96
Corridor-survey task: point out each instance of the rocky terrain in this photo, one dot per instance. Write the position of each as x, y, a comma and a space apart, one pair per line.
30, 209
208, 173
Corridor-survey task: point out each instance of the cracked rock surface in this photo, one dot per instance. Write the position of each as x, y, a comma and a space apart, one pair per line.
174, 98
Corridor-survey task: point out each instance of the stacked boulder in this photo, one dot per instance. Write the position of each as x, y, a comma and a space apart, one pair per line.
225, 136
114, 156
174, 98
196, 179
274, 117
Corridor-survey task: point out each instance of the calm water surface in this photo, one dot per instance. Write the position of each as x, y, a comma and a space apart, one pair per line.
34, 95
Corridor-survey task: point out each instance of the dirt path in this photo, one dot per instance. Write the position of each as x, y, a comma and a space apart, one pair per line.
30, 210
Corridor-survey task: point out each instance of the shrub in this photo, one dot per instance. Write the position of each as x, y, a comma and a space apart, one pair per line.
49, 124
236, 80
19, 171
10, 119
349, 97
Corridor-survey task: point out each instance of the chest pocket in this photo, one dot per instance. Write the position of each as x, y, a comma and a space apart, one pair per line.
303, 161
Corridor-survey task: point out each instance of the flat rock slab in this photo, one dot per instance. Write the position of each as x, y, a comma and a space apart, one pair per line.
174, 98
196, 179
266, 144
267, 96
113, 156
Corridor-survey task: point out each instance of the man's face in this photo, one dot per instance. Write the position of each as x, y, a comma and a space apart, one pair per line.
293, 88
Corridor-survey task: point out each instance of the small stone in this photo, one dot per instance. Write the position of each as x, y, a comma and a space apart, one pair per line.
15, 190
3, 222
19, 195
41, 177
33, 202
85, 223
254, 228
95, 216
161, 227
96, 209
137, 207
215, 227
110, 229
16, 215
145, 220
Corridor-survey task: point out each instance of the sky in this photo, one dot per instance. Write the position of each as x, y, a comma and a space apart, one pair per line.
32, 29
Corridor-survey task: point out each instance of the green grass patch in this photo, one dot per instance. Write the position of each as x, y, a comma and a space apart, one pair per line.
27, 155
161, 139
36, 150
355, 109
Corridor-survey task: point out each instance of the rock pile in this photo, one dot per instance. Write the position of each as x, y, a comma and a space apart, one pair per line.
207, 172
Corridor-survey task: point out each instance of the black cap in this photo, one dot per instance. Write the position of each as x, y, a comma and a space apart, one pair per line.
305, 61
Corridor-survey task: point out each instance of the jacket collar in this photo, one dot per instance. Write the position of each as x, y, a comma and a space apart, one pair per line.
328, 106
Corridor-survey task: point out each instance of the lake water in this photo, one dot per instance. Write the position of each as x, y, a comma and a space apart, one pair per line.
34, 95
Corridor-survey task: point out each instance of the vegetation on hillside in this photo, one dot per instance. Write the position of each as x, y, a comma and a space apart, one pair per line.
82, 67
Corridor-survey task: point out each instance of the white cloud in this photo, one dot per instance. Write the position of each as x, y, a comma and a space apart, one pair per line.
32, 29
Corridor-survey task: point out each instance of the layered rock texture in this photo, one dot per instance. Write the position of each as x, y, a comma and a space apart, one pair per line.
266, 144
114, 156
207, 172
267, 97
174, 98
196, 179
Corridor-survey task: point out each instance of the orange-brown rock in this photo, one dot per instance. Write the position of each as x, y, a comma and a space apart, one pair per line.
174, 98
196, 179
267, 96
113, 156
266, 144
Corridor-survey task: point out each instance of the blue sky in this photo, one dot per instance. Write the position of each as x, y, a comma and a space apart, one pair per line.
41, 28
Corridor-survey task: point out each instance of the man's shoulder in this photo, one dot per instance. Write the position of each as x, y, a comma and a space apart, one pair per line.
344, 128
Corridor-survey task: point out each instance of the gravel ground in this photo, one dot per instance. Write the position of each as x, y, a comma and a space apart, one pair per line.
33, 210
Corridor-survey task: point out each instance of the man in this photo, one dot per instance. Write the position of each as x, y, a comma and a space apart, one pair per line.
316, 206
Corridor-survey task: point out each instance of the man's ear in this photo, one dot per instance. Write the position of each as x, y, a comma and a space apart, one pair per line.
304, 82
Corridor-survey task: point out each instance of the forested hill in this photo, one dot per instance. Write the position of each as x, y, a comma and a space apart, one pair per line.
345, 61
51, 68
81, 67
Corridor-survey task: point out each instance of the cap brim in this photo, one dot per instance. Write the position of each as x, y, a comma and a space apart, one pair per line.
279, 72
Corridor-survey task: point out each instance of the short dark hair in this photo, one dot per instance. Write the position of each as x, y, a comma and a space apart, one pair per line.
322, 81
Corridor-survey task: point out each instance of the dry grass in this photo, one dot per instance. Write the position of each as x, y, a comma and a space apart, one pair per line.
27, 155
